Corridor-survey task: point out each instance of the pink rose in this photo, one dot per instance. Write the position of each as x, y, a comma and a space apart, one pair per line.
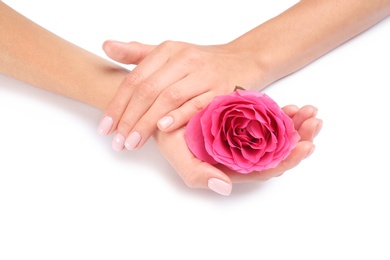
245, 130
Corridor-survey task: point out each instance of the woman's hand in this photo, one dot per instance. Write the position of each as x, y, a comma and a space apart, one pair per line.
198, 174
171, 82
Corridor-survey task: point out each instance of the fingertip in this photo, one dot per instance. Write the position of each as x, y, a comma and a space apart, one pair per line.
291, 106
319, 127
106, 46
302, 150
106, 42
115, 49
220, 186
218, 181
105, 125
310, 110
118, 142
165, 123
133, 141
310, 149
309, 129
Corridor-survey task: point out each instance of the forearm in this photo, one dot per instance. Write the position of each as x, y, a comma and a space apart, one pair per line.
305, 32
34, 55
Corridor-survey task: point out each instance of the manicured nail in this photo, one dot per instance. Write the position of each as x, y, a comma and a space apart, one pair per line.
118, 142
133, 140
165, 122
220, 186
105, 125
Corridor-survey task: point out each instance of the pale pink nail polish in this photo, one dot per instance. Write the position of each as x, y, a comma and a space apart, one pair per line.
220, 186
118, 142
105, 125
165, 122
133, 140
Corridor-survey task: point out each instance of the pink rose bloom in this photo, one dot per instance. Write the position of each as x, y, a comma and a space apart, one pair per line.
245, 131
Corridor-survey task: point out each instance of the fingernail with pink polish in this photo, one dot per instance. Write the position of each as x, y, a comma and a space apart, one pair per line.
133, 140
165, 122
219, 186
105, 125
118, 142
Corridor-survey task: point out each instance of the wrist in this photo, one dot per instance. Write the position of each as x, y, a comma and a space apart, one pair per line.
260, 65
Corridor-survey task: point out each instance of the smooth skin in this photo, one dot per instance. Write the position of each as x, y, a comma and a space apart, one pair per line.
37, 56
174, 80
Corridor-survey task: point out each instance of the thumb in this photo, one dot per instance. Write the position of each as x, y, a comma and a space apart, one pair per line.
194, 172
127, 53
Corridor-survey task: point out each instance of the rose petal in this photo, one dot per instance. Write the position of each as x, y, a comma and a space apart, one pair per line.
196, 140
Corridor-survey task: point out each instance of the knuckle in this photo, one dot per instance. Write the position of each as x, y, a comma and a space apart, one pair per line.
198, 103
174, 96
133, 78
146, 90
168, 44
188, 178
187, 53
190, 181
191, 56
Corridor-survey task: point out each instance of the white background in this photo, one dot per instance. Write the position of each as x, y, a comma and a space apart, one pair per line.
65, 194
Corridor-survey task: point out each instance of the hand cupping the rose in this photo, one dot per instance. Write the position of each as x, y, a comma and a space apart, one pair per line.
220, 178
240, 137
